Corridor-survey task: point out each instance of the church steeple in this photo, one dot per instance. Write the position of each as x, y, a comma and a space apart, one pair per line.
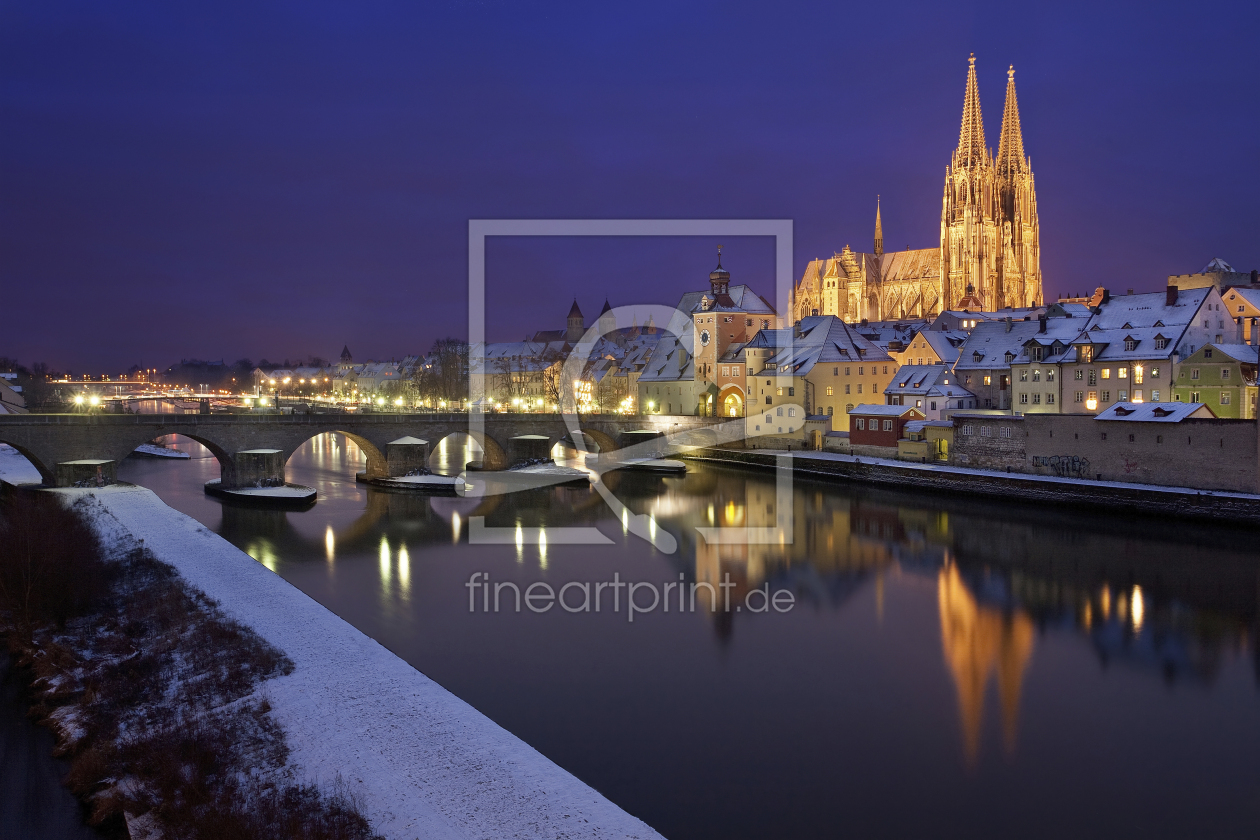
1011, 158
879, 231
971, 148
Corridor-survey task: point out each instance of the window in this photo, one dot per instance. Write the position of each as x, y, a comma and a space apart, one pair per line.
1004, 431
885, 368
1207, 352
726, 370
1123, 373
887, 425
1093, 377
1080, 374
1155, 396
1023, 399
1155, 372
861, 371
966, 430
792, 391
780, 393
1106, 396
1104, 435
1122, 395
988, 380
859, 387
1036, 376
1194, 396
918, 403
835, 371
791, 412
861, 424
1023, 375
1137, 395
831, 391
779, 411
1224, 397
1137, 374
1050, 376
1106, 373
846, 388
1161, 343
1224, 373
831, 410
985, 431
846, 371
1194, 373
769, 400
1087, 353
934, 405
1080, 396
1049, 399
1036, 399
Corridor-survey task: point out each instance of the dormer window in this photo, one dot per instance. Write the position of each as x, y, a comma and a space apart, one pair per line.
1087, 352
1160, 342
1130, 343
1123, 412
1160, 411
977, 356
1207, 352
1158, 324
1096, 328
1127, 326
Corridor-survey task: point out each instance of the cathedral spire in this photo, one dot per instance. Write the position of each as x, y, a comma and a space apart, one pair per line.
971, 149
1011, 145
879, 231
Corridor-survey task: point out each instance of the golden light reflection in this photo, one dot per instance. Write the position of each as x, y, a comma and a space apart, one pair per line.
733, 515
978, 641
330, 544
404, 569
262, 551
385, 565
542, 548
1104, 603
455, 526
1138, 608
520, 544
625, 520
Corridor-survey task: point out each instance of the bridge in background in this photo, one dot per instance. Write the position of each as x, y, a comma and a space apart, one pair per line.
252, 447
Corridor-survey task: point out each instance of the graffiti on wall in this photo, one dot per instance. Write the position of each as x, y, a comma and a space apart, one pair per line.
1064, 465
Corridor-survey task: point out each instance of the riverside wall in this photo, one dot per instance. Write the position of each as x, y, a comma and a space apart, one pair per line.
1096, 495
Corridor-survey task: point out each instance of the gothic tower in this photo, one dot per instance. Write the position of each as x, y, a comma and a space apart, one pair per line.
575, 324
970, 229
1020, 266
879, 231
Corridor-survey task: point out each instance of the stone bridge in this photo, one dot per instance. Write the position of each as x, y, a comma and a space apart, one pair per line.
68, 447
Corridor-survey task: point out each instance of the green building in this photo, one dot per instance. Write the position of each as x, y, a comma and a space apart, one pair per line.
1222, 377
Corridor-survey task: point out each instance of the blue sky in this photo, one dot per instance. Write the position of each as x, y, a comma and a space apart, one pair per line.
227, 180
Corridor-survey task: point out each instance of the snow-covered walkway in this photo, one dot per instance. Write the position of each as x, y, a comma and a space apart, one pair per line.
426, 764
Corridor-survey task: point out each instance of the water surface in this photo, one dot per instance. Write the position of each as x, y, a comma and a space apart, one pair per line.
951, 668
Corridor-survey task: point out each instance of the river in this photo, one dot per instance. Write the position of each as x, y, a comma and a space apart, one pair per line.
948, 668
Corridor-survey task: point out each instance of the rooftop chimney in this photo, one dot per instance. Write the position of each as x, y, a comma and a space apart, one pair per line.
1241, 340
1255, 333
1106, 296
1041, 323
1008, 323
1255, 276
1170, 297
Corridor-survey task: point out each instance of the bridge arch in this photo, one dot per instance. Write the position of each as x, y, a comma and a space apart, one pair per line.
376, 463
493, 453
227, 466
49, 477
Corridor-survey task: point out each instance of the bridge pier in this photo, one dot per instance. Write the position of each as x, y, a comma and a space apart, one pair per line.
96, 471
523, 448
403, 456
255, 468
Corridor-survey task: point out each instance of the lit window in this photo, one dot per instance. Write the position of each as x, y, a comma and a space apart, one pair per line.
1154, 396
988, 380
1106, 373
1137, 374
830, 391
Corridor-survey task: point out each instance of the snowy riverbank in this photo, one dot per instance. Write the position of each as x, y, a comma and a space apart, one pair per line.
425, 763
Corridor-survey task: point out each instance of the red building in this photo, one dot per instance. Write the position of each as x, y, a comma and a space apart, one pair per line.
880, 425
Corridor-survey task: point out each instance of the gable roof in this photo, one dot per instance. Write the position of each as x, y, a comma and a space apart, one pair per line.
1155, 412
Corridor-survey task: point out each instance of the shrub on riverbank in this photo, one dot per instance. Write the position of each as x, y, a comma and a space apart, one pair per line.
152, 690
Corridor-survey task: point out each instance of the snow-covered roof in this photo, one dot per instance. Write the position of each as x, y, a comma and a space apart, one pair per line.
1245, 353
872, 409
817, 339
1217, 266
1154, 412
919, 380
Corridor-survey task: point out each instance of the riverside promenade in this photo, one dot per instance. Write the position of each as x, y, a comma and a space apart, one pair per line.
423, 763
1125, 497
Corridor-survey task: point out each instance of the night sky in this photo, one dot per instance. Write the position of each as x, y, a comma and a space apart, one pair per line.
277, 180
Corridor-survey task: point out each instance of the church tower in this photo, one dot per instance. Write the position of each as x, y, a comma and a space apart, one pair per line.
575, 325
1020, 266
970, 230
879, 231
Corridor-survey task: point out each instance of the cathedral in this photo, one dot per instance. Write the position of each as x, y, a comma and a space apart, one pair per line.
989, 255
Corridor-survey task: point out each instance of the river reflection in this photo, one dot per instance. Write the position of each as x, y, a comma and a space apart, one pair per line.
951, 667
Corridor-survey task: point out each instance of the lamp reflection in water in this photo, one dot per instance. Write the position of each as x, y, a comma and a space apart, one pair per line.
263, 551
330, 544
1137, 608
404, 570
455, 525
542, 548
520, 544
385, 570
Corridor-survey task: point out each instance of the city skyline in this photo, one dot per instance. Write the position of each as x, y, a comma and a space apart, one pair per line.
314, 190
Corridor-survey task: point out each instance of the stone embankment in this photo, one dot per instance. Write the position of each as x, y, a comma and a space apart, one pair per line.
1096, 495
